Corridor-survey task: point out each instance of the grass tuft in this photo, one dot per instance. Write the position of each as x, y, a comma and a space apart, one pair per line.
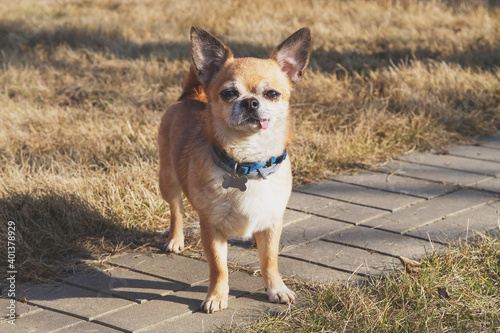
453, 292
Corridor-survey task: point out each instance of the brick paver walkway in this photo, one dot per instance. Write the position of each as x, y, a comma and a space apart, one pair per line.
346, 229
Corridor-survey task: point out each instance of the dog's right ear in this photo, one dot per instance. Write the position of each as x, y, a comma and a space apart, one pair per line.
208, 53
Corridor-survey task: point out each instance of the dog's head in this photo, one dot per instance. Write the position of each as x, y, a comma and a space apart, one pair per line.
249, 94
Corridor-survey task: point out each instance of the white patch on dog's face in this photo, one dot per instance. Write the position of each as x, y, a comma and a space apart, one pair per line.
269, 106
250, 100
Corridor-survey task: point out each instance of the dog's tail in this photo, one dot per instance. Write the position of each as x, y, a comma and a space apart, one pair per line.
192, 87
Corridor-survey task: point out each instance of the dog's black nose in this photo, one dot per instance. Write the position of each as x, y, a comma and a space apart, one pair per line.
250, 104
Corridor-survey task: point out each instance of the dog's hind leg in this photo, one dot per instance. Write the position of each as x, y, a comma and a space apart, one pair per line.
171, 192
268, 246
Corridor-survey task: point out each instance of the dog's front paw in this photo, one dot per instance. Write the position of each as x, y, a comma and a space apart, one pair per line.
175, 244
213, 304
281, 295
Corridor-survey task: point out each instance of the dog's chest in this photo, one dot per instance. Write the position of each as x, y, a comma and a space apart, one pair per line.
242, 213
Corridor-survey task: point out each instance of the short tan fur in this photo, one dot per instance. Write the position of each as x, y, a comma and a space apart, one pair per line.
240, 106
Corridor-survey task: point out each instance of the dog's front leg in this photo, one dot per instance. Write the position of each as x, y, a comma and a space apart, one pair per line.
215, 249
268, 247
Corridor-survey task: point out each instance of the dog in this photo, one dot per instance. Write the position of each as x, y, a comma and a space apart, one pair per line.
223, 144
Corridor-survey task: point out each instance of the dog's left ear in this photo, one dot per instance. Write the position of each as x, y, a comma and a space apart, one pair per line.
293, 54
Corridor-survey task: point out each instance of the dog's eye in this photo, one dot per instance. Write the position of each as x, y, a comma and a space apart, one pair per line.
272, 94
228, 94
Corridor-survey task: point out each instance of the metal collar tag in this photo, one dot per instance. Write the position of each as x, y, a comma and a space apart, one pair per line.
235, 181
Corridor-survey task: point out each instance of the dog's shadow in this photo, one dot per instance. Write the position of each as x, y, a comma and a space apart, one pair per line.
53, 229
96, 285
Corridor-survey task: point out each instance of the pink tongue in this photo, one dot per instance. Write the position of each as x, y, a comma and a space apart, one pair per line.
264, 124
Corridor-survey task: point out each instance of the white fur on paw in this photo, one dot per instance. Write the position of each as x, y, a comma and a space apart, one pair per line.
281, 295
213, 304
175, 245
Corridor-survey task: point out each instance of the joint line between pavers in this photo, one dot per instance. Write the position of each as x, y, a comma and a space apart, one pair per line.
30, 311
346, 201
404, 232
58, 311
98, 322
380, 189
398, 233
449, 215
111, 311
438, 182
448, 168
199, 259
326, 266
480, 182
475, 158
68, 326
427, 239
475, 188
337, 219
110, 293
380, 228
187, 313
297, 220
471, 186
319, 215
168, 320
291, 247
155, 275
489, 146
360, 247
396, 173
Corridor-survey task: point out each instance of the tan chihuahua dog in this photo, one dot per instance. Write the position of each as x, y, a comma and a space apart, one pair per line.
224, 145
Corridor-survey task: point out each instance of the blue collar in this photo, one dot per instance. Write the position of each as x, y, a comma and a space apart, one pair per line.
250, 170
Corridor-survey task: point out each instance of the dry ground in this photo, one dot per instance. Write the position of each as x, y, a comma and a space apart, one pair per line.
83, 85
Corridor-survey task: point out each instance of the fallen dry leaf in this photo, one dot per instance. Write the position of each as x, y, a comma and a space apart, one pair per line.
411, 266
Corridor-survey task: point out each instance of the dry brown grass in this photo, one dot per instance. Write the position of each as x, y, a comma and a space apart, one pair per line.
84, 83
